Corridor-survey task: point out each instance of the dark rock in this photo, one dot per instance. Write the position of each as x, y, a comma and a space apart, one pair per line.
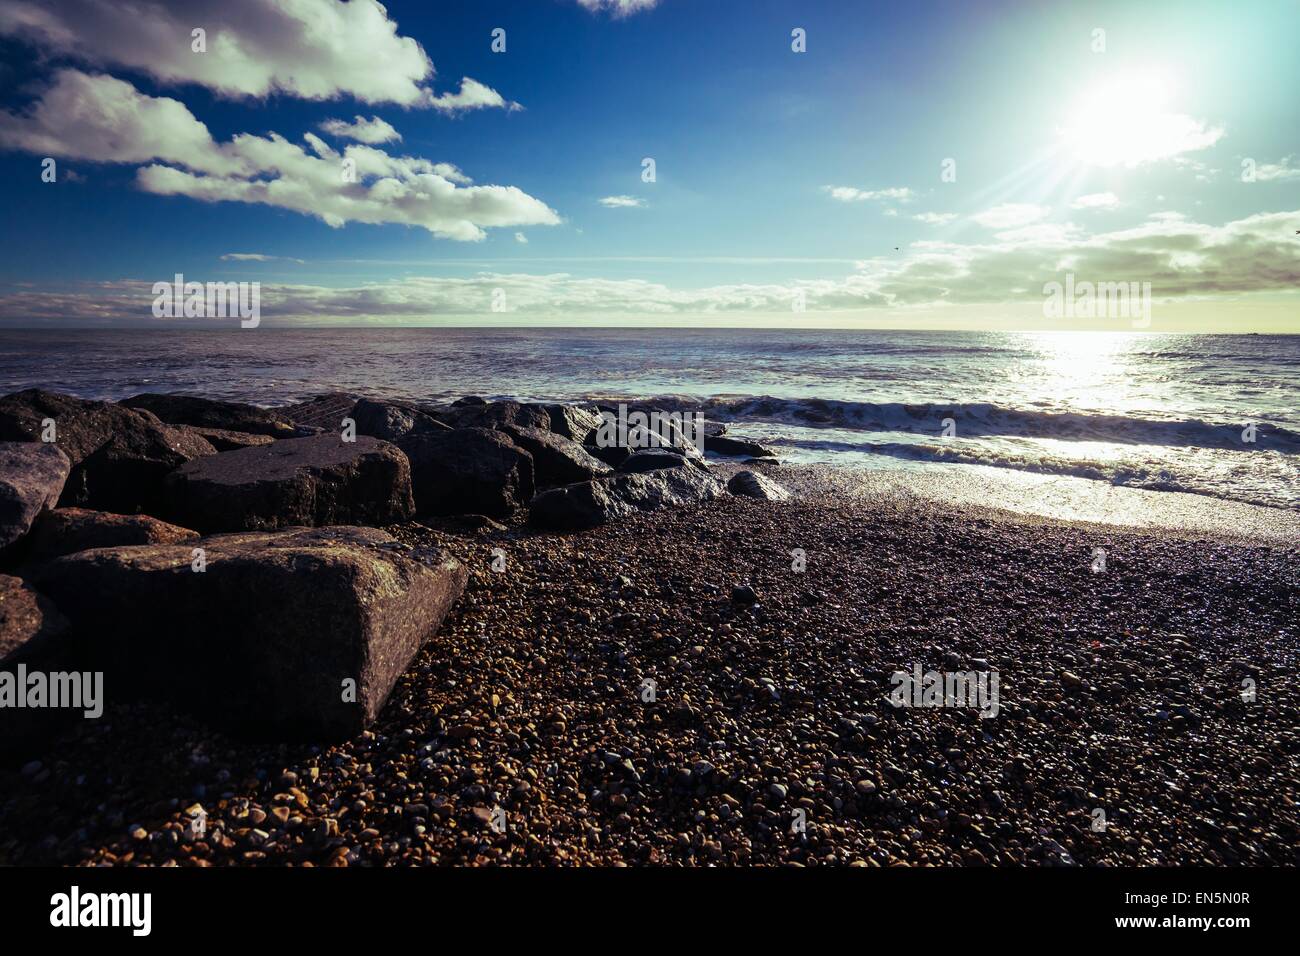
207, 413
497, 414
469, 400
725, 445
596, 502
612, 455
265, 639
556, 460
574, 422
32, 475
224, 440
743, 594
325, 412
68, 530
391, 421
32, 638
750, 484
119, 455
30, 625
321, 480
651, 459
467, 470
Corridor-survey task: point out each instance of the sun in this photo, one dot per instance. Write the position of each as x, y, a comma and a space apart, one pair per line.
1126, 120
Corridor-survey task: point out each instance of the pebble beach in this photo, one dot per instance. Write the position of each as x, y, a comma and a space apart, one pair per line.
669, 690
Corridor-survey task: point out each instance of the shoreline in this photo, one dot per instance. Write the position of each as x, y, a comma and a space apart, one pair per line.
1120, 691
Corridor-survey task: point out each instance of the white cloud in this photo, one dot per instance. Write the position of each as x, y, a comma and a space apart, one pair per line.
619, 8
472, 95
312, 49
935, 218
257, 257
104, 119
853, 194
520, 237
1010, 215
622, 202
372, 131
1096, 201
1181, 259
1281, 171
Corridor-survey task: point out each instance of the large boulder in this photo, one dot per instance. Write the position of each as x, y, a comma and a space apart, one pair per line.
292, 482
750, 484
556, 460
391, 421
497, 414
119, 455
468, 471
32, 634
32, 475
592, 503
575, 422
296, 634
68, 530
207, 413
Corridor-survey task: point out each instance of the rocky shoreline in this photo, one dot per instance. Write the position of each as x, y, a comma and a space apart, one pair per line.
567, 653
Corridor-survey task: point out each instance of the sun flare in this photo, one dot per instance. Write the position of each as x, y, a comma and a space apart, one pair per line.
1127, 120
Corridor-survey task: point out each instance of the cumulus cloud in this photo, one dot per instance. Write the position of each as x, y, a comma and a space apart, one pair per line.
1010, 215
311, 49
373, 131
853, 194
619, 8
104, 119
472, 95
622, 202
1178, 257
1096, 201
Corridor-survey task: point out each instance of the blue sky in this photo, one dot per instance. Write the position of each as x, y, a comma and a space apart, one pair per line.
780, 175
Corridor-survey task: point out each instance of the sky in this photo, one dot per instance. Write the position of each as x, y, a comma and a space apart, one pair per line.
662, 162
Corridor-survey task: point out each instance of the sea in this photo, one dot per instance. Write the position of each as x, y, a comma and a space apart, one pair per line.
1215, 415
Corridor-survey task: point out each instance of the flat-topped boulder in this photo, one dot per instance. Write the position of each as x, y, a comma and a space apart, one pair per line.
652, 459
207, 413
592, 503
468, 471
320, 480
391, 421
68, 530
223, 439
556, 460
497, 414
736, 447
288, 635
119, 455
750, 484
32, 475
